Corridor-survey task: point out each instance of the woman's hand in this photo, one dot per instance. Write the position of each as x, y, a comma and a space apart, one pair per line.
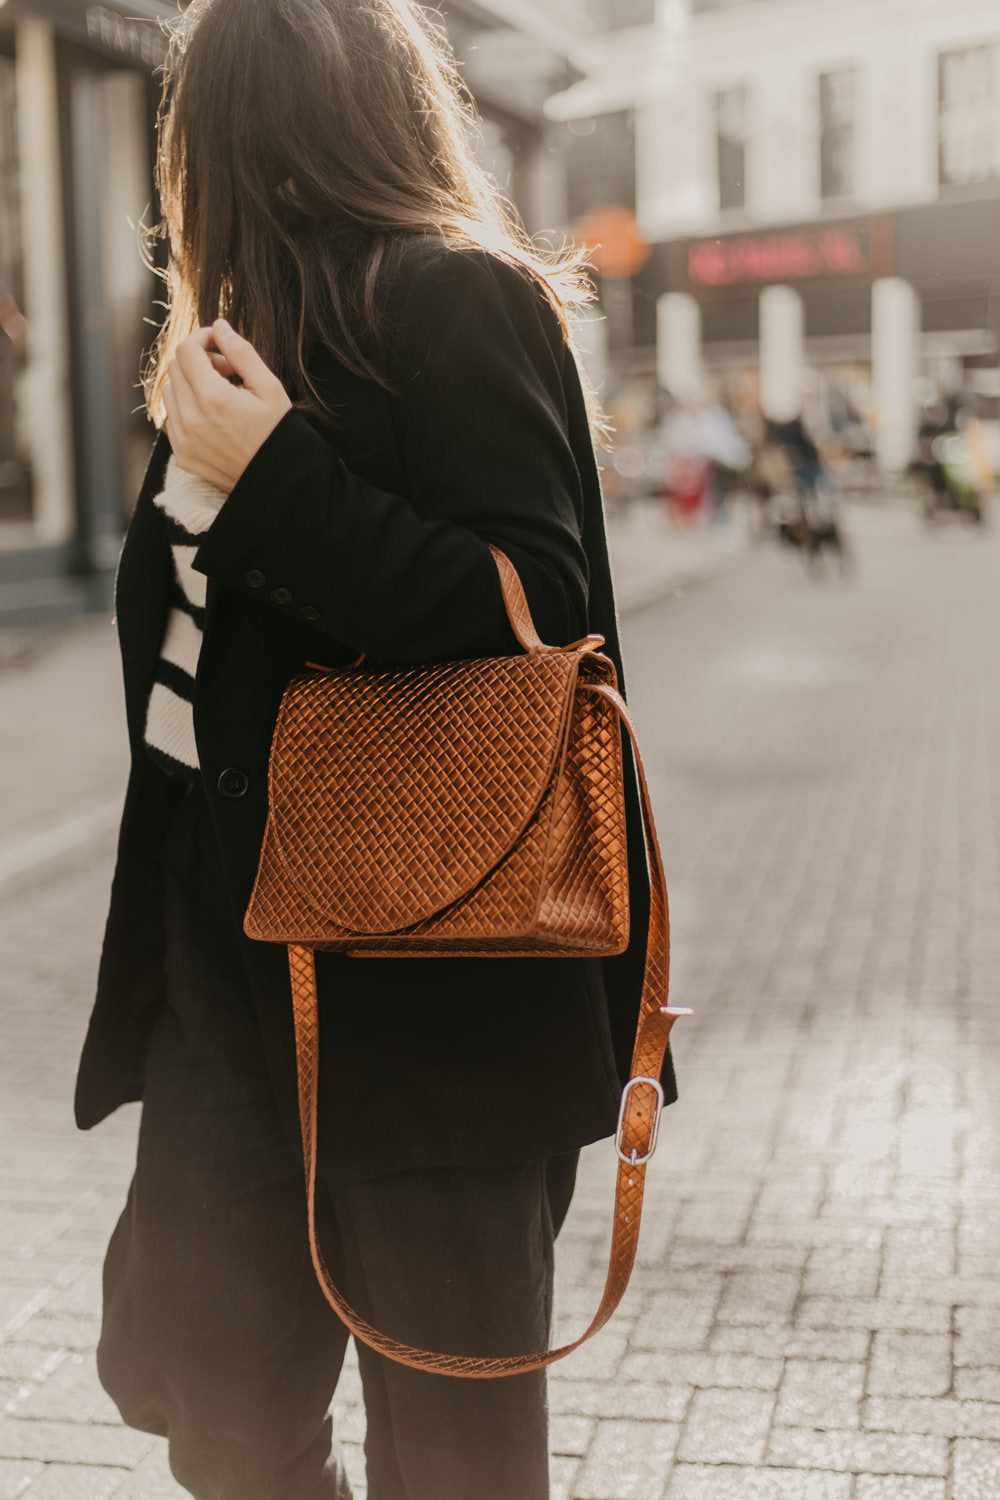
214, 427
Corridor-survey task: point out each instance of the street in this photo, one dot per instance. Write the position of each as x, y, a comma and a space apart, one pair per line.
815, 1314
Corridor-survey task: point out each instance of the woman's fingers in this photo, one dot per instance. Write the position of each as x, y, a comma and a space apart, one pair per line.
194, 360
221, 364
245, 360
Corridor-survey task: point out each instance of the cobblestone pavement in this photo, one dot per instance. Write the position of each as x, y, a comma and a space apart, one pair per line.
816, 1310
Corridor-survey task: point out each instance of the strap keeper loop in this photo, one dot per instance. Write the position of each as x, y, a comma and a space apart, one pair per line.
633, 1159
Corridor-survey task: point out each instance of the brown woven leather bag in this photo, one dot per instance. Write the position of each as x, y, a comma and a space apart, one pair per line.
463, 808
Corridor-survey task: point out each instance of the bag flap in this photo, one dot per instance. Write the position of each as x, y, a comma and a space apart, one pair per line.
393, 793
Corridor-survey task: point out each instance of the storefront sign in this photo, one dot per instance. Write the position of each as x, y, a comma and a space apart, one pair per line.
795, 255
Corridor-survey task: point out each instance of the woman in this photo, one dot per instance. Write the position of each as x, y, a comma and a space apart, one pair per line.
327, 480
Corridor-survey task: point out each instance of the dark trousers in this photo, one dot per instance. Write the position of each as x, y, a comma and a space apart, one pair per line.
215, 1333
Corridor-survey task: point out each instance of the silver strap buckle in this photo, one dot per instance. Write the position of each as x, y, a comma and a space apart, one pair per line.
634, 1159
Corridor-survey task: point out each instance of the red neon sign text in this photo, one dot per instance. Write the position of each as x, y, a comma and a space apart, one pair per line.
778, 257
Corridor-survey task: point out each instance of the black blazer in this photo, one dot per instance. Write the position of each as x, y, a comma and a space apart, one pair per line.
372, 536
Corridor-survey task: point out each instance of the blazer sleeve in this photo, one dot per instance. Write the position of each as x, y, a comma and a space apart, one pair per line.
478, 363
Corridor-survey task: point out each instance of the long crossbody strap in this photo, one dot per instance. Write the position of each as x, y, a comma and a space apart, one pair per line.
642, 1101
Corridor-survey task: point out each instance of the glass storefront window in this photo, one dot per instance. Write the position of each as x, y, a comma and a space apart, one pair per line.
837, 92
969, 115
15, 471
731, 146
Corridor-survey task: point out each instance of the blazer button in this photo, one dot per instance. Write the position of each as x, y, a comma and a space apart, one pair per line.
309, 612
255, 579
281, 596
234, 783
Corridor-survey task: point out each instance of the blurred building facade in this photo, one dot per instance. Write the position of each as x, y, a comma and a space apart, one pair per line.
820, 180
78, 96
77, 104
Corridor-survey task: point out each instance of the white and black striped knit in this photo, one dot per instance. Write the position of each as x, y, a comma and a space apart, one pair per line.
190, 505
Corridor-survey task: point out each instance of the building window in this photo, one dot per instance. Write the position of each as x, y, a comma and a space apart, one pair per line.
615, 15
600, 162
837, 104
731, 146
969, 116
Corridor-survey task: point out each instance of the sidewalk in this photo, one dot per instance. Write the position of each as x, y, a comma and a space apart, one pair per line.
815, 1313
654, 560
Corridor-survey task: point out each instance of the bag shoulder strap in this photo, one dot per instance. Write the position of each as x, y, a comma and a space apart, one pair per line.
515, 603
642, 1102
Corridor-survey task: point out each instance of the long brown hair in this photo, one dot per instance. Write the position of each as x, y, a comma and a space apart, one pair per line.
301, 144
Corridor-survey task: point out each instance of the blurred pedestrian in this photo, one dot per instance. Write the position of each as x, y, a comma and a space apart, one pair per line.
808, 511
686, 472
390, 391
730, 456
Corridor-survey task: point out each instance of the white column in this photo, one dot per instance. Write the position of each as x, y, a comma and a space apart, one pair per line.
895, 354
678, 346
45, 413
543, 187
782, 335
590, 331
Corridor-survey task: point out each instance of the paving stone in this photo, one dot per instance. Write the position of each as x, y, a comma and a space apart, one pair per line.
910, 1364
72, 1393
791, 1343
675, 1320
570, 1435
726, 1426
15, 1476
152, 1480
562, 1473
354, 1462
927, 1250
683, 1367
635, 1398
977, 1384
838, 1272
599, 1359
75, 1482
62, 1332
829, 1312
729, 1482
979, 1419
627, 1461
759, 1297
72, 1442
858, 1452
349, 1422
978, 1339
820, 1392
898, 1487
860, 1233
710, 1256
977, 1470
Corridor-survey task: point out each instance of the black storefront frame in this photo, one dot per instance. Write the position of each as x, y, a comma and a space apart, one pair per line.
942, 248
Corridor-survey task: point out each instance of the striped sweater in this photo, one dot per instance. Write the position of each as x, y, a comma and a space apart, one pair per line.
190, 505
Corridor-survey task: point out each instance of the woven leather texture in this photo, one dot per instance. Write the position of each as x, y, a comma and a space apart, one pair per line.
398, 823
463, 808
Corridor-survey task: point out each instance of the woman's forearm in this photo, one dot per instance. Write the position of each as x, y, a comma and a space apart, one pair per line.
318, 543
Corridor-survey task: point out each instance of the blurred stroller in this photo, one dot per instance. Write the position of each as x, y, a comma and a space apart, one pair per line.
953, 467
799, 496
